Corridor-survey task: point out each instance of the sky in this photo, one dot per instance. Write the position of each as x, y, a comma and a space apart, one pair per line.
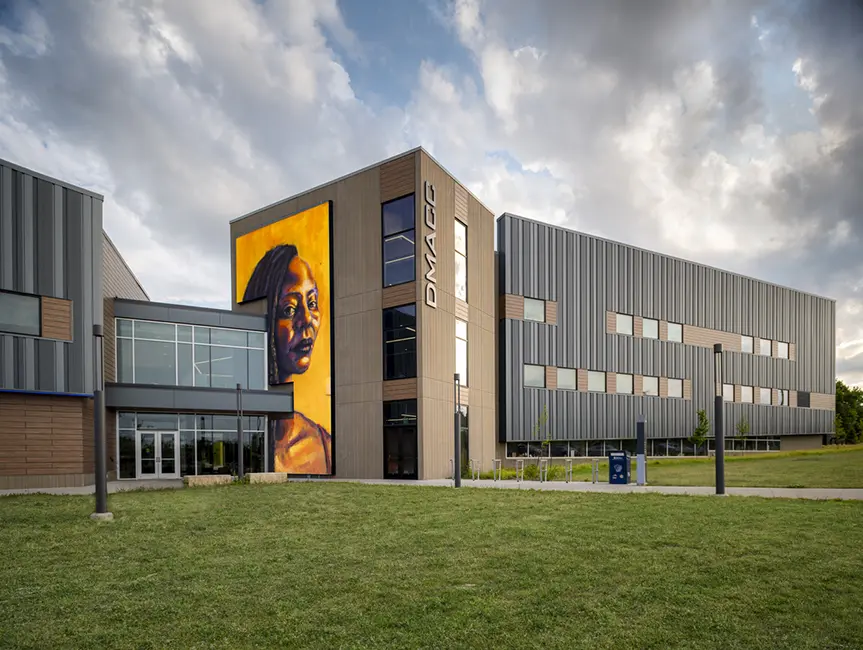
726, 132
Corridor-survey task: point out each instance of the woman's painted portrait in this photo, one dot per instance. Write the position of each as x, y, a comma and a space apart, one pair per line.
287, 263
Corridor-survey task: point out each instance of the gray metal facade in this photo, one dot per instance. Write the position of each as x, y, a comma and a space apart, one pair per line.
201, 400
588, 276
50, 245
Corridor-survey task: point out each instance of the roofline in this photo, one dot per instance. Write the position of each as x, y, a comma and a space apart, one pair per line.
174, 305
56, 181
671, 257
360, 171
131, 272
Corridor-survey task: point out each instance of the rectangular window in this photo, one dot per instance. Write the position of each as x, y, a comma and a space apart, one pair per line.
534, 310
675, 332
461, 351
784, 397
728, 392
765, 347
624, 384
650, 328
400, 342
460, 260
675, 388
803, 399
595, 381
650, 385
20, 314
781, 350
747, 344
624, 324
567, 379
534, 376
399, 232
764, 395
746, 394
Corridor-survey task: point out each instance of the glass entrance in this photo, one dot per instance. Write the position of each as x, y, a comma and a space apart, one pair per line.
158, 454
400, 453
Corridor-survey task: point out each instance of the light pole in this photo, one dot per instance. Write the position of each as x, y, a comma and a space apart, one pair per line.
456, 469
718, 403
241, 470
640, 451
99, 430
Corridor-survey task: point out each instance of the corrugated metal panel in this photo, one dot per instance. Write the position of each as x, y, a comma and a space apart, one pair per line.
588, 276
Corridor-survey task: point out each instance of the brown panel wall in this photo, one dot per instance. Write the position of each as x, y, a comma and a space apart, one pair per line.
462, 310
792, 351
56, 318
398, 178
638, 385
822, 401
551, 312
551, 377
792, 398
610, 322
399, 389
512, 307
401, 294
799, 443
707, 338
581, 377
638, 326
687, 389
611, 382
738, 393
663, 386
461, 204
663, 330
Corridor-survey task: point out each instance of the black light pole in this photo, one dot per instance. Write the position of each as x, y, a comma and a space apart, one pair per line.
456, 469
99, 430
718, 404
241, 470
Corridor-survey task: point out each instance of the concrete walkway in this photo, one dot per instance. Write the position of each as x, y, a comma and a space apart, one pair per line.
558, 486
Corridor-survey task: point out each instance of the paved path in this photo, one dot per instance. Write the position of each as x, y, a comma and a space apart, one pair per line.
576, 486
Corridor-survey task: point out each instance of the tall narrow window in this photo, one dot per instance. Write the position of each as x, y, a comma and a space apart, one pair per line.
399, 223
400, 342
461, 351
460, 260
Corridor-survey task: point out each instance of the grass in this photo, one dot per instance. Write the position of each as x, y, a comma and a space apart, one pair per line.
308, 565
830, 467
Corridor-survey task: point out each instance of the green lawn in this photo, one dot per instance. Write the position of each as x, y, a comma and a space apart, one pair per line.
830, 467
351, 566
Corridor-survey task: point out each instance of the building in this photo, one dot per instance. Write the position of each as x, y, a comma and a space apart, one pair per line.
354, 306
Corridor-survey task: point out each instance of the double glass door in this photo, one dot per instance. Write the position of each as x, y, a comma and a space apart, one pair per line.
158, 454
400, 452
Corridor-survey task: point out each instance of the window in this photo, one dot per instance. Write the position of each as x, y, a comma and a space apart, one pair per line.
534, 310
650, 385
624, 324
675, 332
461, 351
781, 350
675, 388
460, 260
567, 379
624, 384
765, 347
163, 354
784, 397
399, 223
728, 392
596, 381
650, 328
764, 396
534, 376
20, 314
400, 342
803, 399
746, 394
747, 344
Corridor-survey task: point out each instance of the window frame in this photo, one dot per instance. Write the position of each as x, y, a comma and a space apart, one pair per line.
30, 296
668, 332
631, 390
643, 392
594, 373
524, 375
724, 397
743, 399
761, 351
668, 385
779, 346
574, 377
751, 340
655, 322
384, 341
631, 331
524, 308
384, 238
761, 392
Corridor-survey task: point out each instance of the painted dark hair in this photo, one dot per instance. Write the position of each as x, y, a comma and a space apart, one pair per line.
266, 282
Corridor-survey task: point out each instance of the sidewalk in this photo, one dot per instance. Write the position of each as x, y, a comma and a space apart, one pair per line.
559, 486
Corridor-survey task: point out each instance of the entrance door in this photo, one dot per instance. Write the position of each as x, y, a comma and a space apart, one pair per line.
158, 454
400, 453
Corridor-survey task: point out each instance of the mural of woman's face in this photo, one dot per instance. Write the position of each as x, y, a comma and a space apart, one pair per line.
297, 319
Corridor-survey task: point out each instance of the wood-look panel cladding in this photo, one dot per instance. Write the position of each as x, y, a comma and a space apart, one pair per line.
398, 178
400, 294
512, 306
56, 318
551, 312
400, 389
437, 325
551, 377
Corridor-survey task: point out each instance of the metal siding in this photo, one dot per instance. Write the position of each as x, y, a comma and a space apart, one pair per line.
588, 276
58, 229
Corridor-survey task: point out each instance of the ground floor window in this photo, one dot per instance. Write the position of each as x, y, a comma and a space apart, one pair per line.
172, 445
655, 447
401, 455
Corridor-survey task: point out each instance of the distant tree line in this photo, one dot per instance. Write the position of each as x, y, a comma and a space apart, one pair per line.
849, 414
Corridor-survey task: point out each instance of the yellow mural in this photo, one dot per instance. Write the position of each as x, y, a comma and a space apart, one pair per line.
288, 264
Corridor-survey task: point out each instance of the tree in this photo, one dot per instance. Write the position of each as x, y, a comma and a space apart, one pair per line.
742, 427
849, 413
537, 429
699, 434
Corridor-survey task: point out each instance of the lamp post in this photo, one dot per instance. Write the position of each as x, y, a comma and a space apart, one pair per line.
456, 463
99, 469
241, 470
718, 404
640, 451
